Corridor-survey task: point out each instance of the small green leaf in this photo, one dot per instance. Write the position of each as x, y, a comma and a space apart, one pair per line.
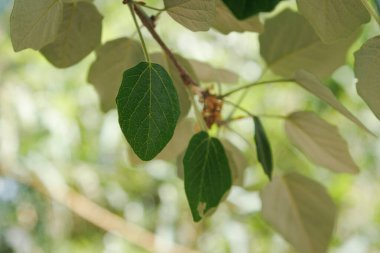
196, 15
207, 174
243, 9
34, 24
264, 152
148, 109
334, 19
366, 68
301, 211
106, 72
79, 34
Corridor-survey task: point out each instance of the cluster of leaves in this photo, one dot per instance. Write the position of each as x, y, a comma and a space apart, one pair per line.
154, 93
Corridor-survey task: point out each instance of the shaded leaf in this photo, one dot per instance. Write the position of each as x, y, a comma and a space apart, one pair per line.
34, 24
207, 174
106, 72
367, 61
79, 34
320, 142
209, 74
243, 9
311, 83
148, 109
289, 43
225, 22
163, 60
263, 149
196, 15
334, 19
301, 211
237, 162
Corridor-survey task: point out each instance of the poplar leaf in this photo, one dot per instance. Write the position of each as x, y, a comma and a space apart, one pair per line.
209, 74
207, 174
106, 72
367, 62
225, 22
311, 83
34, 24
263, 149
334, 19
243, 9
196, 15
237, 162
148, 109
289, 43
301, 211
320, 142
79, 34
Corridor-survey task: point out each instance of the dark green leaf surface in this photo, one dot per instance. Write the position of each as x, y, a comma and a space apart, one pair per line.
207, 174
245, 8
148, 109
264, 152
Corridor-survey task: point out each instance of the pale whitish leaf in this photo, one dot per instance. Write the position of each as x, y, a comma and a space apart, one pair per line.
183, 95
209, 74
34, 24
148, 109
207, 174
196, 15
301, 211
367, 62
106, 72
79, 34
177, 145
320, 142
289, 43
237, 161
334, 19
312, 84
225, 22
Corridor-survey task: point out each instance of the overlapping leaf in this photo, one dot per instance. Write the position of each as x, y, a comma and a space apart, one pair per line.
289, 43
79, 34
106, 72
148, 109
311, 83
367, 62
301, 211
225, 22
34, 24
207, 73
207, 174
320, 142
237, 162
196, 15
334, 19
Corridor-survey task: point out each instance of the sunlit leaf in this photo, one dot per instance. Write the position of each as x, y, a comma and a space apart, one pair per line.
148, 109
207, 73
207, 174
196, 15
106, 72
311, 83
320, 142
79, 34
301, 211
289, 43
334, 19
34, 24
263, 149
367, 62
225, 22
243, 9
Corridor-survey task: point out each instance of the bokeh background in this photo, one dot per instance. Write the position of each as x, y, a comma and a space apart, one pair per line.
54, 137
